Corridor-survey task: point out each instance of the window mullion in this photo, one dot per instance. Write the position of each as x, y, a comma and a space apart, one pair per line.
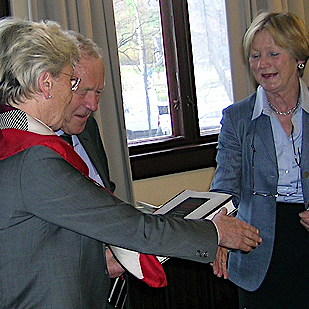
185, 72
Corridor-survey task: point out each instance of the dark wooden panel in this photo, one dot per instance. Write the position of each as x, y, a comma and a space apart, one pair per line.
171, 161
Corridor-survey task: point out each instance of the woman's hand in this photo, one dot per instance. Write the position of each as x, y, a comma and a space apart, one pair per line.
305, 219
220, 264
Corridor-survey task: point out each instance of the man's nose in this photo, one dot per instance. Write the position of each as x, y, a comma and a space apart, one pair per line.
91, 101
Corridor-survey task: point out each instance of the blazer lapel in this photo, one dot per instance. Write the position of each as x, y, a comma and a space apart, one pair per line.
263, 131
304, 158
305, 141
92, 152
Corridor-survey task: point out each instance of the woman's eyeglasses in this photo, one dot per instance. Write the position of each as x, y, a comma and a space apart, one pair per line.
74, 81
297, 158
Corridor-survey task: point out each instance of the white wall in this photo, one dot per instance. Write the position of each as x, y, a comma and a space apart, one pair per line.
159, 190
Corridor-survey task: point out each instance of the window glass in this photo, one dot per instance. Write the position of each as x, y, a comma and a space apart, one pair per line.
142, 66
143, 70
211, 61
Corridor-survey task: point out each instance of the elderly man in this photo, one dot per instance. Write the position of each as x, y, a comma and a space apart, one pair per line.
80, 128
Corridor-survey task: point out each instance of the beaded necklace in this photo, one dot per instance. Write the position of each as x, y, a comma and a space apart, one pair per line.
275, 109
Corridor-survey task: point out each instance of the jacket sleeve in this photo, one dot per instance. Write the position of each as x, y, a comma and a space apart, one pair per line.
54, 191
227, 178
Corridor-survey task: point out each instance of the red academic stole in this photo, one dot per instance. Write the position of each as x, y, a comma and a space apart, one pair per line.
12, 141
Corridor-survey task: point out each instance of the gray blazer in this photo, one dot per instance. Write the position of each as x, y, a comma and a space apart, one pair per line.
91, 140
53, 222
238, 137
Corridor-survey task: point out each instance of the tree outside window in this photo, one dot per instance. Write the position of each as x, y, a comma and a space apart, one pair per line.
175, 73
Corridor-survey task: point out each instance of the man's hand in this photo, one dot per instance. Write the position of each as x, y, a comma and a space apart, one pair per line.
114, 268
305, 219
236, 234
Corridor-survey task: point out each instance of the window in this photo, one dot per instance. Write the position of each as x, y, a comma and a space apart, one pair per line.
142, 65
210, 60
176, 79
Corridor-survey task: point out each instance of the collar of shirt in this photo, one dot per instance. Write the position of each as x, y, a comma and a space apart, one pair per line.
75, 139
59, 132
262, 106
79, 149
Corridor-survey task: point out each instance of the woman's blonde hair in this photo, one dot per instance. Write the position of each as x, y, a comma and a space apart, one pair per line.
287, 31
27, 49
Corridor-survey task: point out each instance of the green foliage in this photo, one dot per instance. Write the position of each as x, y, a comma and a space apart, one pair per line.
138, 26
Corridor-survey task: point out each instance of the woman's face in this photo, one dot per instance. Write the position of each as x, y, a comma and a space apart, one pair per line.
273, 67
61, 96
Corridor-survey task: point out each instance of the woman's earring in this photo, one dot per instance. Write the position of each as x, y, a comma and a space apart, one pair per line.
300, 66
49, 96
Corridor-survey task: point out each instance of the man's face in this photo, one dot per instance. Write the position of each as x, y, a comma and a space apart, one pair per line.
86, 98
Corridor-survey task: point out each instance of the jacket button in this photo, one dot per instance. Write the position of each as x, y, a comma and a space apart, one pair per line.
201, 254
198, 253
305, 175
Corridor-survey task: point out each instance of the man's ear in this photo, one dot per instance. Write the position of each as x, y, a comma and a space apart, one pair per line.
45, 84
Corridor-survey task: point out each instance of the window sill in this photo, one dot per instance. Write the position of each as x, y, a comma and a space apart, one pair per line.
172, 160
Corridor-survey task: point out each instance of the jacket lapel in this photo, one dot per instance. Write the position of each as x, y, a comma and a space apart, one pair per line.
263, 131
305, 141
89, 147
304, 158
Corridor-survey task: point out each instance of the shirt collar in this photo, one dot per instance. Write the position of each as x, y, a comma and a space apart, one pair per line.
262, 106
75, 139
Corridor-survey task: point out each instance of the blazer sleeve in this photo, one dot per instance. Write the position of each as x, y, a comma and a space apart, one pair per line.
227, 176
55, 192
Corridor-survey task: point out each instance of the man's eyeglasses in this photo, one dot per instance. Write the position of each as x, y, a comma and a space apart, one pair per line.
74, 81
297, 158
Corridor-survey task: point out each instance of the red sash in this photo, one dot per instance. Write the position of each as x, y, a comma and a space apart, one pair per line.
13, 141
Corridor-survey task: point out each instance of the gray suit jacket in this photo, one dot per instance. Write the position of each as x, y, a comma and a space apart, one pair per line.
238, 137
53, 222
91, 140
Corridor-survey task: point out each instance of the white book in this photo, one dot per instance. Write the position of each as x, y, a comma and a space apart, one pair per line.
196, 205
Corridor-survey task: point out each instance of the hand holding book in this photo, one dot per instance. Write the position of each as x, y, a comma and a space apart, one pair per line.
218, 207
214, 206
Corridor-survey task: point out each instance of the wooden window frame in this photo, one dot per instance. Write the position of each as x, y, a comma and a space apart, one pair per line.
186, 149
